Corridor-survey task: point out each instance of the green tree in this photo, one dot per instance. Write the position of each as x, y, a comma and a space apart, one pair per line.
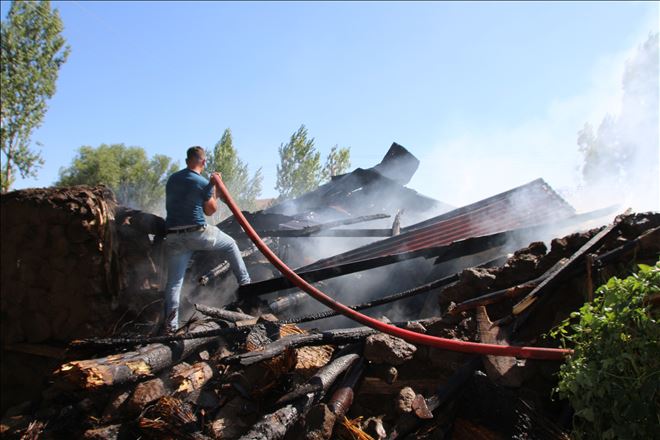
244, 189
32, 52
337, 162
299, 170
137, 181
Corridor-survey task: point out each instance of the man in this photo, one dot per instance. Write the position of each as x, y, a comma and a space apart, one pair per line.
188, 197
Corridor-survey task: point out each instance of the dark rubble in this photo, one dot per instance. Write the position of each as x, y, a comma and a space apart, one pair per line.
268, 362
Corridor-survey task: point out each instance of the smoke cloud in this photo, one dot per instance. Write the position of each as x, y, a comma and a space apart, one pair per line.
615, 162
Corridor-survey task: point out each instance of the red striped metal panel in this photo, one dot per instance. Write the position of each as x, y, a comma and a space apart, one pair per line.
527, 205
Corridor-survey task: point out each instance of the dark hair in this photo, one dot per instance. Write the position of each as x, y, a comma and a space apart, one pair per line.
195, 153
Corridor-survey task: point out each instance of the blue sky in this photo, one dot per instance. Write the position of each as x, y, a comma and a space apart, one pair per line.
486, 95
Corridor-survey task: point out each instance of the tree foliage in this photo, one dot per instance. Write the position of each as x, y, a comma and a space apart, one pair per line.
612, 377
300, 168
137, 181
244, 189
32, 52
337, 162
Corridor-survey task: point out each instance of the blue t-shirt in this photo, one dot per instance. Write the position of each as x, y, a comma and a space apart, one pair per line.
186, 191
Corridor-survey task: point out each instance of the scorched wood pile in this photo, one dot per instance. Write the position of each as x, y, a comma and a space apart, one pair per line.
243, 371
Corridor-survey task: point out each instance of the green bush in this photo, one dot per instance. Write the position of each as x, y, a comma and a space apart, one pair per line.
613, 378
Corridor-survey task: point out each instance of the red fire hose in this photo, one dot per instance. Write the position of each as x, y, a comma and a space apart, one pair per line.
410, 336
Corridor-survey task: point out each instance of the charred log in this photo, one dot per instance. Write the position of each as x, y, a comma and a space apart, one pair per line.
377, 302
495, 297
224, 314
325, 377
558, 273
132, 366
330, 337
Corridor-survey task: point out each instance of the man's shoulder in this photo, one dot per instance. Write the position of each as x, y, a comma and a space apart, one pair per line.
189, 176
178, 174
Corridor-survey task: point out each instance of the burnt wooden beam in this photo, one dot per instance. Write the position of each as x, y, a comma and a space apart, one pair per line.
224, 314
105, 343
556, 274
646, 243
325, 376
503, 370
282, 303
132, 366
329, 337
321, 419
315, 229
275, 426
329, 233
377, 302
342, 399
281, 283
495, 297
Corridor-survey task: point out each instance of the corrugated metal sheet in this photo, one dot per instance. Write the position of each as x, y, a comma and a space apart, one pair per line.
528, 205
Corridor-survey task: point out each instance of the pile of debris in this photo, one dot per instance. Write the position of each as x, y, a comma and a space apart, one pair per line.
268, 363
247, 377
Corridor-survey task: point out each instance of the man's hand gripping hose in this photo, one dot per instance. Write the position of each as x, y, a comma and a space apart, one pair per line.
410, 336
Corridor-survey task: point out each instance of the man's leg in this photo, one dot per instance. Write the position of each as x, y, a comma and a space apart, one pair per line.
219, 241
177, 262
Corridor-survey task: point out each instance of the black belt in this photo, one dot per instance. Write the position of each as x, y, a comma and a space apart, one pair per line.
190, 229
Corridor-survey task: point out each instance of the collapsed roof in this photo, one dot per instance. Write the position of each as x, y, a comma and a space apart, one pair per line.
379, 189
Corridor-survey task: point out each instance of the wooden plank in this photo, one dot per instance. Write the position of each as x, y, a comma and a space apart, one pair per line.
503, 370
557, 273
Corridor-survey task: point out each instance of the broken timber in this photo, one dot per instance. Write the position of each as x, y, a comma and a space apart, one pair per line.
329, 337
501, 369
134, 365
317, 229
332, 233
224, 314
342, 398
644, 243
377, 302
326, 376
274, 426
556, 274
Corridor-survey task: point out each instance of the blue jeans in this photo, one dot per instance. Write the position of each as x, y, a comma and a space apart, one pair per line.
180, 248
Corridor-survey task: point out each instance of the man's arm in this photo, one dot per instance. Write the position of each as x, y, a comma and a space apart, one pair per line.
211, 205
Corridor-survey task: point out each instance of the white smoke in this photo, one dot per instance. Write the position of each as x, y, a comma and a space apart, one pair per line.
621, 155
483, 162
